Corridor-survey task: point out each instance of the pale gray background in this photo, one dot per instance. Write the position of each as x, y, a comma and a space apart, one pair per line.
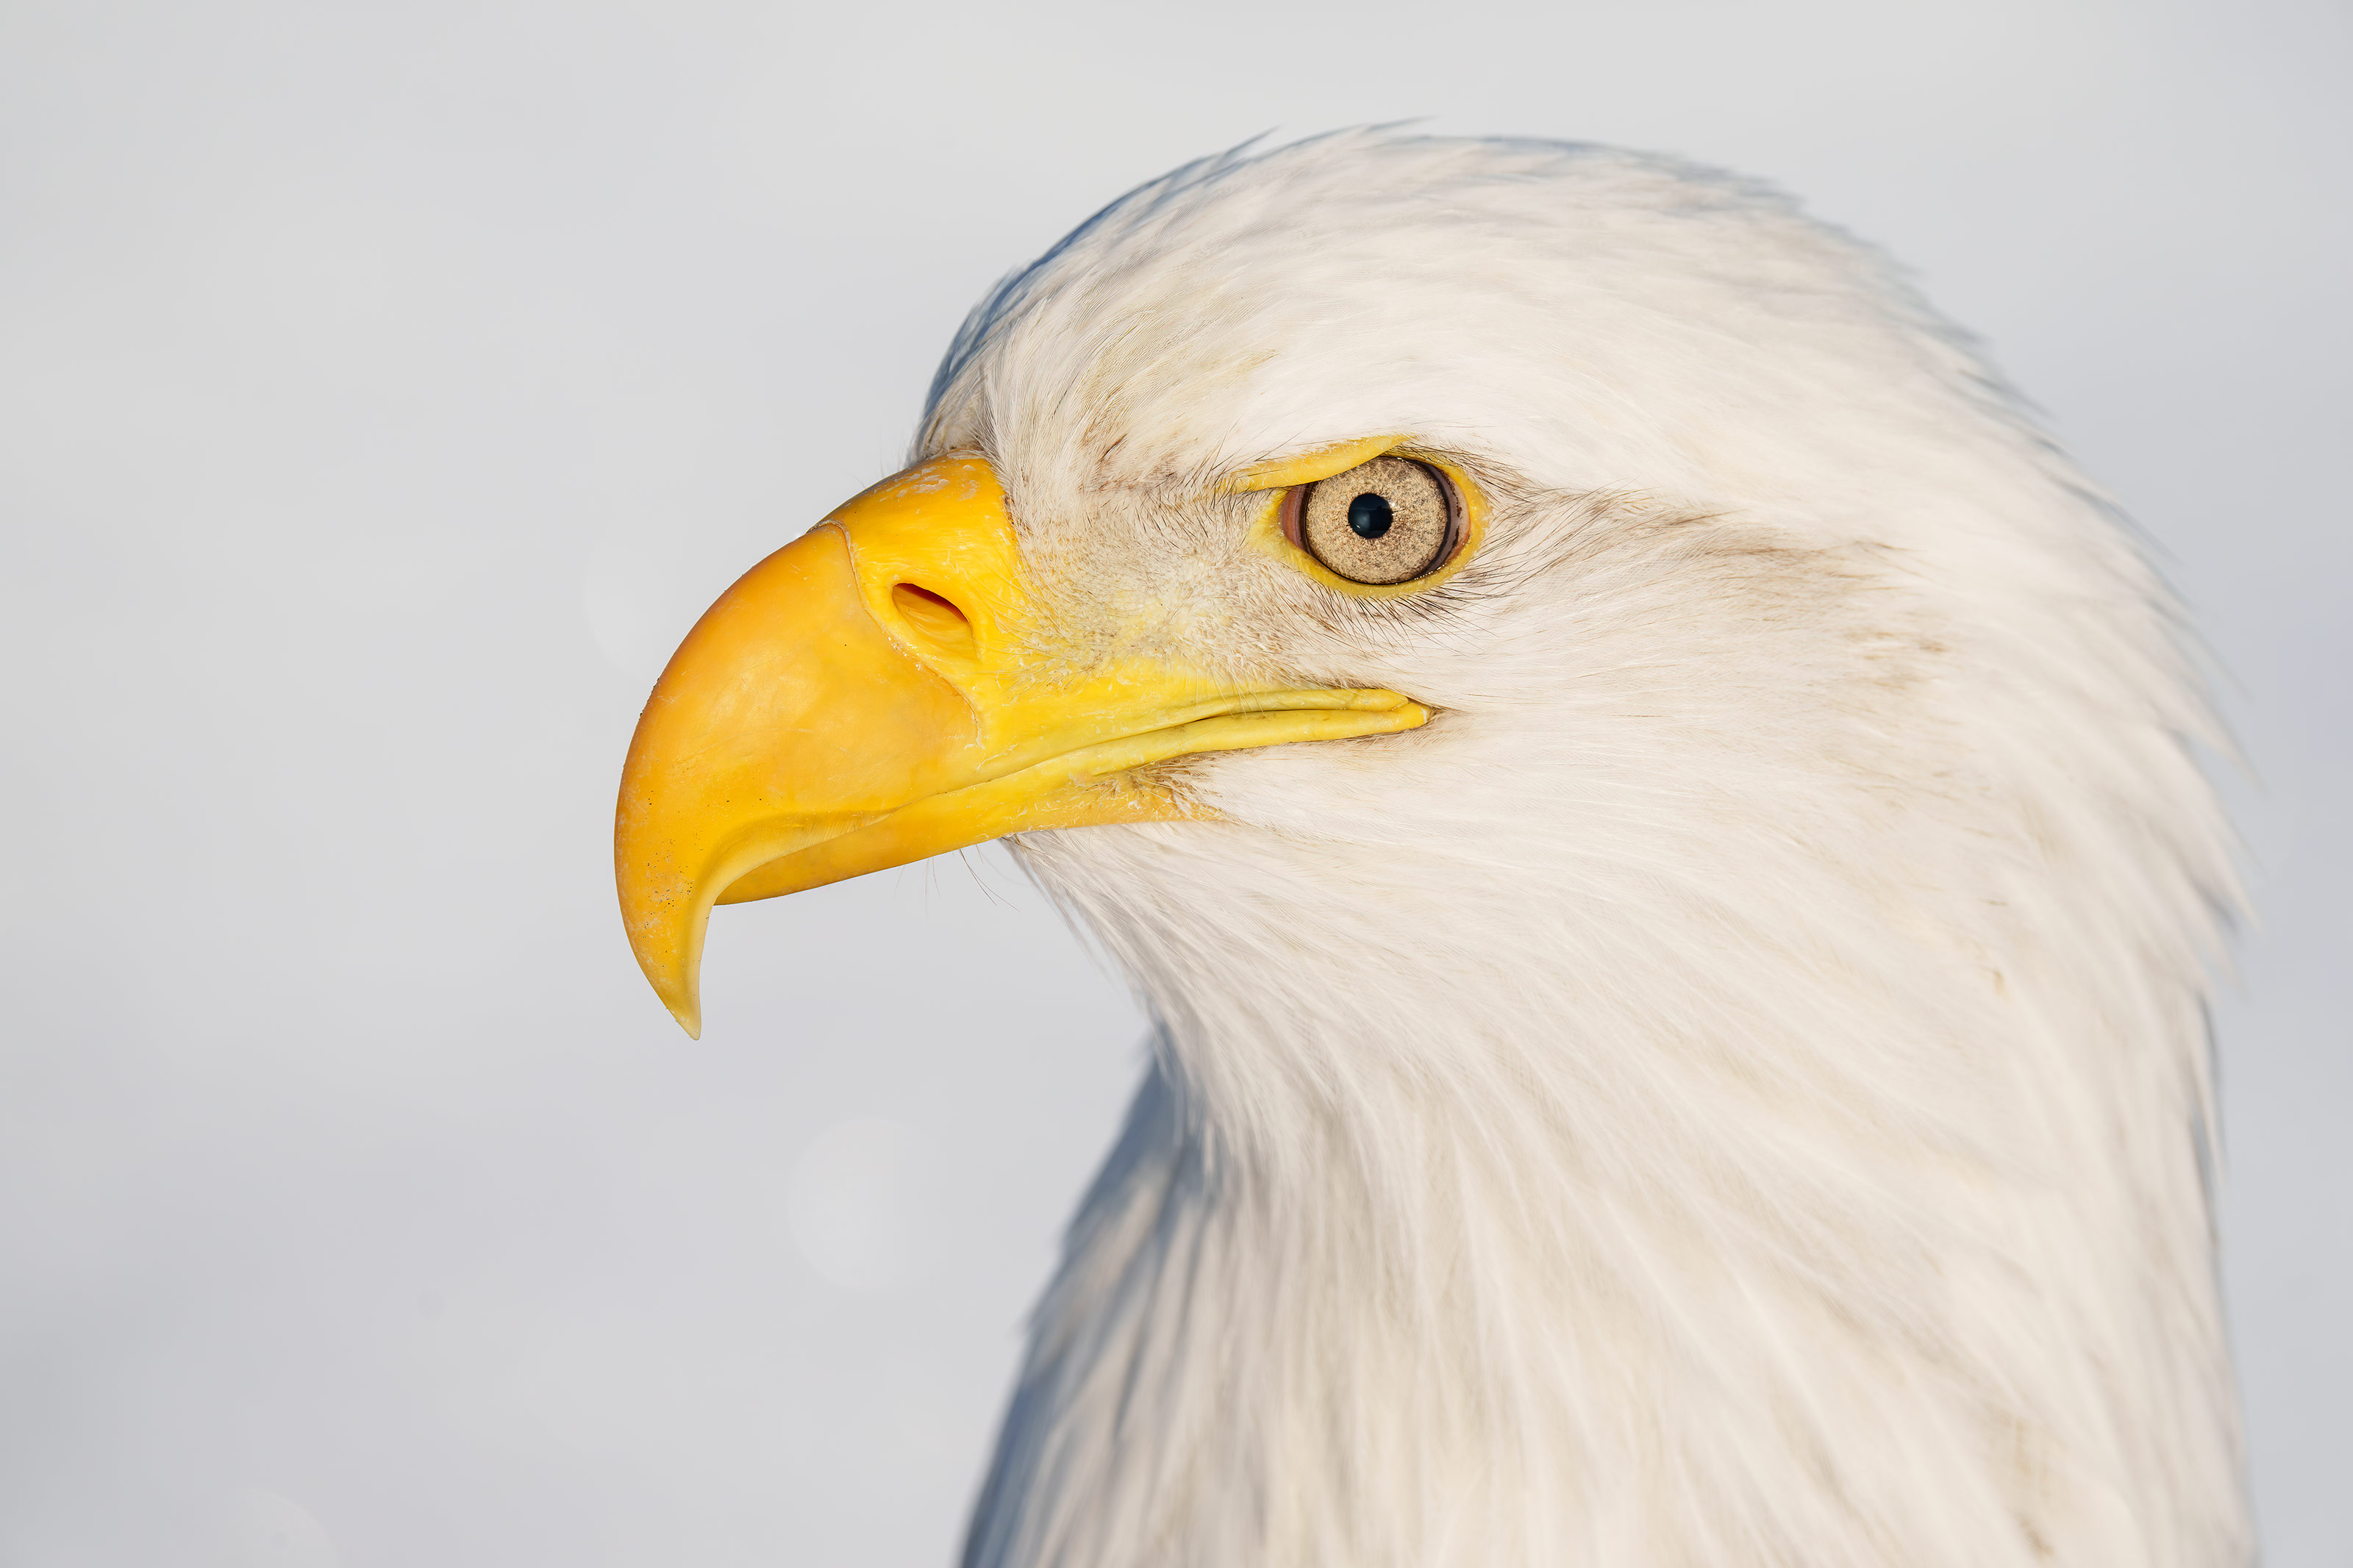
385, 387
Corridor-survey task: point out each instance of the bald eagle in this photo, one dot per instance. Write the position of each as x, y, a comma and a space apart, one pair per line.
1657, 819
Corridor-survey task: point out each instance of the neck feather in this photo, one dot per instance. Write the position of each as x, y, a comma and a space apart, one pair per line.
1529, 1231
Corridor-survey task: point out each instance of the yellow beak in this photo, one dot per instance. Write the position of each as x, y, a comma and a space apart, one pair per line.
882, 690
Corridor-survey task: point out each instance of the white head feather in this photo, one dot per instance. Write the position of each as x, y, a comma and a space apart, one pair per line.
1731, 1089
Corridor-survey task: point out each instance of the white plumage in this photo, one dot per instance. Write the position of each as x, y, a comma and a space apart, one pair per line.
1731, 1091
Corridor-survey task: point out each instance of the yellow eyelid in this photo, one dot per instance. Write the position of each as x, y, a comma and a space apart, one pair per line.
1266, 532
1281, 473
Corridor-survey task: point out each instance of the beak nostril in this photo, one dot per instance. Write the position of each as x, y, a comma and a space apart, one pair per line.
934, 618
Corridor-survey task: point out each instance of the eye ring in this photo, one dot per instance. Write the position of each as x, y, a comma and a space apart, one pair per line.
1362, 503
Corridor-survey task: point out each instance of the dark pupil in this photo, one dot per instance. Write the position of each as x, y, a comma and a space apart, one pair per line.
1370, 516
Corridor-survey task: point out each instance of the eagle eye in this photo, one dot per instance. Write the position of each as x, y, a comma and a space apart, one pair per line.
1383, 522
